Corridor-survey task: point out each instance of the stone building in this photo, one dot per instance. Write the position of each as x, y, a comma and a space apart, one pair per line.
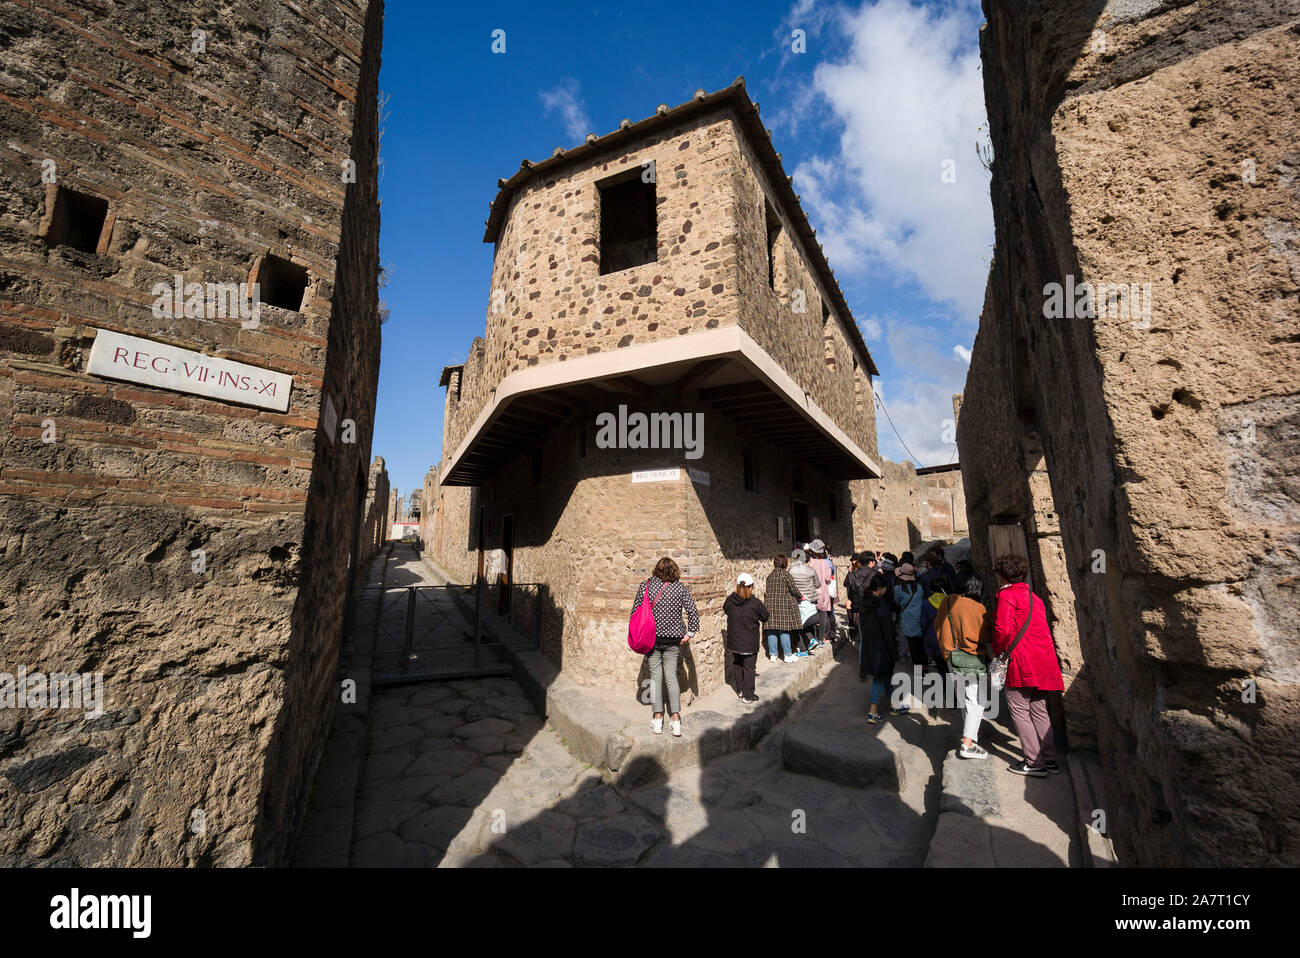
178, 504
376, 511
663, 269
429, 513
1134, 395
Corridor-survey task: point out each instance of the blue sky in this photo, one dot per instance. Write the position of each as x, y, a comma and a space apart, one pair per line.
877, 120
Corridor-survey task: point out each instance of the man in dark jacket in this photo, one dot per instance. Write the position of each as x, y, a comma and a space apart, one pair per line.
878, 652
855, 586
745, 612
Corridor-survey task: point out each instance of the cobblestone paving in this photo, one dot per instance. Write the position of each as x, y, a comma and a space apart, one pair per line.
465, 773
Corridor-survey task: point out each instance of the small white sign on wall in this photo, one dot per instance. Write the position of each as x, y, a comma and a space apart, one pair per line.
657, 475
118, 356
330, 418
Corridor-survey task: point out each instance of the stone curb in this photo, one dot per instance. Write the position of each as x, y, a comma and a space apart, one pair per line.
1083, 768
324, 838
605, 739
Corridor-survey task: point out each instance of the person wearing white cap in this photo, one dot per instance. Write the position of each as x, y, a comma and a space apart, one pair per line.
745, 614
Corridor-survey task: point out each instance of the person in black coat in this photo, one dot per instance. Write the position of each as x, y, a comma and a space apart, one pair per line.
745, 613
878, 651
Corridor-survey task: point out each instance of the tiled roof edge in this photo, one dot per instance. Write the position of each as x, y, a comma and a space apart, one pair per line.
747, 113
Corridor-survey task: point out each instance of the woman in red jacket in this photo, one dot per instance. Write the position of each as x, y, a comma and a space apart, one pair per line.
1033, 670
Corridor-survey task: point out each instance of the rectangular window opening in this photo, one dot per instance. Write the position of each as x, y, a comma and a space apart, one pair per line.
828, 337
78, 220
629, 234
802, 525
281, 283
796, 479
773, 231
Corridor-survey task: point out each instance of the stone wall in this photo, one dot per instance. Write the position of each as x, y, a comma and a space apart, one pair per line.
592, 535
376, 511
1155, 144
581, 526
548, 302
217, 683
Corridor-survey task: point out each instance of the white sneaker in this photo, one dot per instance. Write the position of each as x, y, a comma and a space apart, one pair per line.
657, 725
971, 751
677, 727
772, 658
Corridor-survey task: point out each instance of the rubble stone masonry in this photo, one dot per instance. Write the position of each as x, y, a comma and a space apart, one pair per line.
581, 526
195, 552
1149, 456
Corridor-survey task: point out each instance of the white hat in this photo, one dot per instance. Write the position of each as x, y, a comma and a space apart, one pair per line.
744, 579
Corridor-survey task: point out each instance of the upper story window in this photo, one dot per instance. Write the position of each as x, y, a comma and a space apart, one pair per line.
858, 394
629, 234
773, 233
828, 337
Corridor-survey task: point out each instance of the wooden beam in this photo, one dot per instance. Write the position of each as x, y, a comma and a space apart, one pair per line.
527, 418
595, 394
632, 385
698, 373
734, 391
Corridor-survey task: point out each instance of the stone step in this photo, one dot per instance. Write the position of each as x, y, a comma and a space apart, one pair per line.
847, 755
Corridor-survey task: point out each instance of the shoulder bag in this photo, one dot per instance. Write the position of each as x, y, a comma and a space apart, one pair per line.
641, 627
961, 661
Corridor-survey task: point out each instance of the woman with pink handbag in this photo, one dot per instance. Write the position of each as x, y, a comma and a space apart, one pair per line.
667, 599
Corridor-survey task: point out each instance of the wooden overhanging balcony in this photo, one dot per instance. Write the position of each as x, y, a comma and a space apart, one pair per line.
727, 369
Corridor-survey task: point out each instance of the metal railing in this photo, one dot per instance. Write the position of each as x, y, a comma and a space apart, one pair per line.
428, 632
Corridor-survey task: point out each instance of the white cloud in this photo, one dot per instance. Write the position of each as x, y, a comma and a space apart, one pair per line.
873, 328
963, 352
908, 97
927, 380
566, 99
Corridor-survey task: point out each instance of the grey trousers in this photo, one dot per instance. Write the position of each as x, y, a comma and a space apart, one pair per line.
663, 669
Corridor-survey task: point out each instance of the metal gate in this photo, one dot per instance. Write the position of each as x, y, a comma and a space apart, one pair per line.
424, 633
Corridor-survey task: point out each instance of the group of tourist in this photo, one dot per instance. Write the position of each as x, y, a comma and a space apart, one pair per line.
937, 619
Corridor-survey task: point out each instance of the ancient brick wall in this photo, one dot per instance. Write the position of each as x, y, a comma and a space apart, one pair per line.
547, 300
1155, 146
900, 507
592, 535
376, 511
808, 345
217, 682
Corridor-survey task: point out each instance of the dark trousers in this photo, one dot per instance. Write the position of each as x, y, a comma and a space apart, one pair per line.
916, 646
742, 667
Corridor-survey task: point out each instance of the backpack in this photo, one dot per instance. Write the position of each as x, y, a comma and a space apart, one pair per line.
856, 586
641, 627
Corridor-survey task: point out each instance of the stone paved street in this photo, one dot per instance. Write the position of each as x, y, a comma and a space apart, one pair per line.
465, 773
